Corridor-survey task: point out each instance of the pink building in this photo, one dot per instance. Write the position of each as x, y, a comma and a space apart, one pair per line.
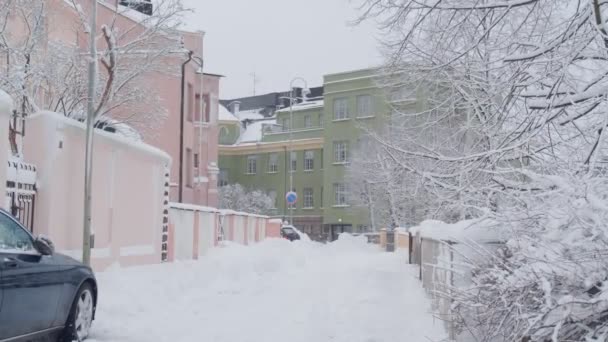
199, 148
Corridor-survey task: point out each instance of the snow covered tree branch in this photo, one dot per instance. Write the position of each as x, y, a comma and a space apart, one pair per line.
236, 197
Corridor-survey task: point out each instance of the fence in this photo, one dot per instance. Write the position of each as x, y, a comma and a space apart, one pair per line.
21, 191
195, 230
441, 268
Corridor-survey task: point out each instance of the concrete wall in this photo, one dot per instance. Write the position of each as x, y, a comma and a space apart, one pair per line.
195, 230
6, 108
128, 191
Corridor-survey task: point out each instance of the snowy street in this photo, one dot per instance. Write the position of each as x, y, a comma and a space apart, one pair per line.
347, 291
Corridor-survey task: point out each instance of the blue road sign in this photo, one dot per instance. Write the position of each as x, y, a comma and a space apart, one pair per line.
291, 197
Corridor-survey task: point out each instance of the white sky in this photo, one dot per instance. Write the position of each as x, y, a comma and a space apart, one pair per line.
279, 40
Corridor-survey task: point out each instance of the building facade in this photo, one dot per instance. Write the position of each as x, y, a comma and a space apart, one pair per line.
307, 149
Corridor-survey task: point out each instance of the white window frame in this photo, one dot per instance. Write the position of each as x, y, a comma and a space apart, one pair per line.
341, 109
273, 165
293, 161
341, 152
308, 199
309, 160
252, 165
340, 195
307, 121
364, 109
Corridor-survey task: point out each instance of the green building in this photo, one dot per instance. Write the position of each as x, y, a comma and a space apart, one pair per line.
309, 145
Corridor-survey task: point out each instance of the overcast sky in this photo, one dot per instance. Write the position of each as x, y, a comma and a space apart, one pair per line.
279, 40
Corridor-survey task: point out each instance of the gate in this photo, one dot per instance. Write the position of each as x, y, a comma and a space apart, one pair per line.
21, 192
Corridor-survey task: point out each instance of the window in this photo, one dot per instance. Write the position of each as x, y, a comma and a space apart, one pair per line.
340, 194
363, 228
196, 161
191, 108
222, 178
207, 108
285, 124
307, 121
364, 106
321, 120
340, 109
308, 198
321, 158
309, 160
294, 162
273, 195
340, 151
13, 236
189, 168
273, 163
252, 165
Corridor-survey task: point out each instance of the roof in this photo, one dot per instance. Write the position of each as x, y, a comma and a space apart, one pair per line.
225, 115
252, 114
254, 131
303, 106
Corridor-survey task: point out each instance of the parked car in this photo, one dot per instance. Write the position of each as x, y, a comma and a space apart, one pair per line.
290, 233
43, 294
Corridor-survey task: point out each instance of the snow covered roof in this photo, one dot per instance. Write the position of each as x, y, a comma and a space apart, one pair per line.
252, 114
254, 131
303, 106
225, 115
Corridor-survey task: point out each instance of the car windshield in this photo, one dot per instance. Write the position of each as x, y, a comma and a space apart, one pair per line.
288, 230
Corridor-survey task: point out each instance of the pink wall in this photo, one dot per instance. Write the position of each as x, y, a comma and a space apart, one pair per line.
128, 191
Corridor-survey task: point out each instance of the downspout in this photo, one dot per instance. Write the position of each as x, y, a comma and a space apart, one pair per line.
181, 130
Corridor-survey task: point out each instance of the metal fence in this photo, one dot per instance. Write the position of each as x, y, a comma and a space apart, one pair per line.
441, 269
22, 202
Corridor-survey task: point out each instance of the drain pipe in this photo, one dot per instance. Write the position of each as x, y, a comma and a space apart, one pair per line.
181, 129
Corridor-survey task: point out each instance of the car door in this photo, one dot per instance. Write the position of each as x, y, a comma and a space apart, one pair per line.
30, 283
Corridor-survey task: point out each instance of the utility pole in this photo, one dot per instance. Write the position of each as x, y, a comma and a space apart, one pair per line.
88, 168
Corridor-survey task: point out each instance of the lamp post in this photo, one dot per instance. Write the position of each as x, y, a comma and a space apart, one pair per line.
291, 99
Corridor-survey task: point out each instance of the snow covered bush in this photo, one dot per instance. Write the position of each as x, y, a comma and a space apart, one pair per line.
549, 283
236, 197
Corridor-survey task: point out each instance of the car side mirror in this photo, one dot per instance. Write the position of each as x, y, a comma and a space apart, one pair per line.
44, 245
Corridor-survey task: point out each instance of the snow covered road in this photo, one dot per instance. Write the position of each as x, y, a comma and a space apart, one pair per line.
275, 291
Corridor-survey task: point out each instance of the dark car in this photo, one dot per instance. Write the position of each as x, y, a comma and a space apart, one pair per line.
42, 293
289, 233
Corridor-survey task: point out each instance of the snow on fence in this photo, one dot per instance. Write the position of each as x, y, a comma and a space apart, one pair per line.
194, 230
439, 250
6, 110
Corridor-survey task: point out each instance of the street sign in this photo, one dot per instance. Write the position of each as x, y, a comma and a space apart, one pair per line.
291, 197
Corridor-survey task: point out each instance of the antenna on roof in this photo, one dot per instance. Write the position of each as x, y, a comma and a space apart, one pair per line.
256, 80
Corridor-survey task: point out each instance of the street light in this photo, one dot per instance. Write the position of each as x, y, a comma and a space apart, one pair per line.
291, 98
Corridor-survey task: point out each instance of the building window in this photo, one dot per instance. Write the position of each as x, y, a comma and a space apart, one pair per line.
307, 121
189, 168
252, 165
340, 194
196, 161
294, 162
273, 163
285, 124
309, 160
363, 228
340, 109
340, 151
222, 178
191, 108
273, 195
321, 159
308, 198
207, 108
321, 120
364, 106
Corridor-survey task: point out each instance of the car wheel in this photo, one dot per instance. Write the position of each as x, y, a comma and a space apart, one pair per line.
81, 316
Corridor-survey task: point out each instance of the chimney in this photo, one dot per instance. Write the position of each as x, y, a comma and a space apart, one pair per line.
236, 107
142, 6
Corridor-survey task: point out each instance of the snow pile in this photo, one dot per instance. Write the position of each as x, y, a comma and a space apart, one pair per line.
274, 291
479, 230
